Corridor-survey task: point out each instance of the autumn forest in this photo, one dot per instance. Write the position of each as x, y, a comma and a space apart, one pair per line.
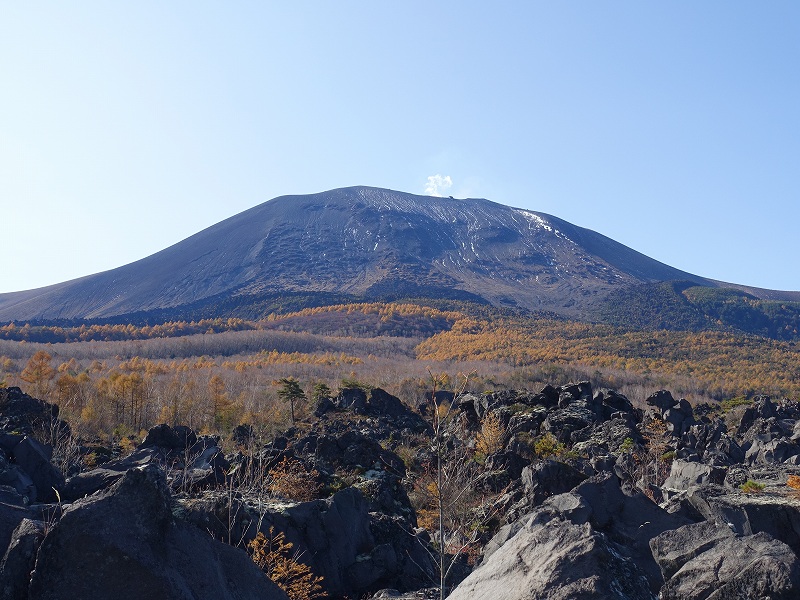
113, 381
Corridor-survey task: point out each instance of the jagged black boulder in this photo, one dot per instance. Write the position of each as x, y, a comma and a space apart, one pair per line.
34, 459
355, 551
125, 544
19, 560
23, 414
191, 462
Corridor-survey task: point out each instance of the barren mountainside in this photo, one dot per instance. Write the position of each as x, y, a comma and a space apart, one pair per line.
365, 243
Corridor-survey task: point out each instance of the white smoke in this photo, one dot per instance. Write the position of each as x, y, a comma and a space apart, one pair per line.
437, 185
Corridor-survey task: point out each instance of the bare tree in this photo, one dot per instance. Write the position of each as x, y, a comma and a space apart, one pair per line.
459, 504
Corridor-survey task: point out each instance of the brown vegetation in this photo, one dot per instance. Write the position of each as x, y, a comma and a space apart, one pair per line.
274, 556
290, 480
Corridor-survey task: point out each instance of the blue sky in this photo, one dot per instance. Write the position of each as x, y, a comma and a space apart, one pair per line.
673, 128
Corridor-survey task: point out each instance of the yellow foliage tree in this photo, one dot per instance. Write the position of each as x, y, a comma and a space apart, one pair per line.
491, 436
222, 407
273, 556
39, 373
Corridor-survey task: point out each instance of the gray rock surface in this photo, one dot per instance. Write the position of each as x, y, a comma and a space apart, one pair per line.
423, 594
590, 542
541, 480
736, 568
777, 515
568, 506
15, 482
555, 560
548, 478
674, 548
684, 475
630, 521
22, 414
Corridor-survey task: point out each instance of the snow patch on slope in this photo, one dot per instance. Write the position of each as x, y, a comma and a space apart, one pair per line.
537, 222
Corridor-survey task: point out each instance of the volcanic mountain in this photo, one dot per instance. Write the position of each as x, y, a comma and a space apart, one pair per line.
364, 243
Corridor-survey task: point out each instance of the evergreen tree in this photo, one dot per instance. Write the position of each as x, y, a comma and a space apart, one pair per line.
291, 392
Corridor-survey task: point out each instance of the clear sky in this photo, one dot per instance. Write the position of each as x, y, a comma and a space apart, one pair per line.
672, 127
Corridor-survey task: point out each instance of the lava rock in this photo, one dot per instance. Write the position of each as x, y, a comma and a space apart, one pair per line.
540, 481
125, 544
20, 559
755, 566
776, 515
631, 521
192, 463
562, 422
510, 463
554, 559
34, 459
613, 402
605, 437
528, 422
20, 413
684, 475
353, 399
674, 548
569, 393
171, 439
662, 400
762, 408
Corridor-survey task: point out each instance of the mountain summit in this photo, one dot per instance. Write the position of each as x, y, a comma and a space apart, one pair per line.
364, 242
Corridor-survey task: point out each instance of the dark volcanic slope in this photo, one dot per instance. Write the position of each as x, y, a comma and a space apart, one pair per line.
364, 242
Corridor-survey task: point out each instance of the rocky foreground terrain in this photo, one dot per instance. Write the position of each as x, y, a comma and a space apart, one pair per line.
582, 495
